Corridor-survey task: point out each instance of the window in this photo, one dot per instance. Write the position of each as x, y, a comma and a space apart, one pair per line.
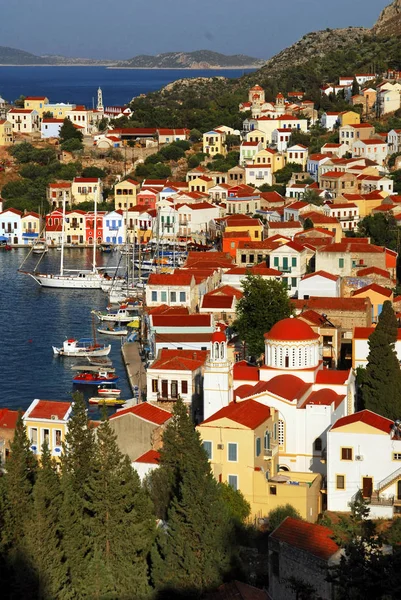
184, 387
318, 444
57, 437
207, 446
293, 282
281, 432
233, 481
273, 490
183, 296
154, 296
33, 435
163, 297
232, 452
173, 296
46, 436
266, 440
155, 386
346, 453
396, 456
294, 261
174, 389
258, 446
340, 482
341, 263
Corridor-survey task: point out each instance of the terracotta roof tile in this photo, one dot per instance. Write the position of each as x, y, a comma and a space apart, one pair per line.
308, 537
45, 409
145, 411
368, 417
249, 413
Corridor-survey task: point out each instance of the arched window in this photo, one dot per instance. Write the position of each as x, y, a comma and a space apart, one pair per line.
280, 356
216, 350
266, 440
293, 352
318, 444
222, 350
281, 432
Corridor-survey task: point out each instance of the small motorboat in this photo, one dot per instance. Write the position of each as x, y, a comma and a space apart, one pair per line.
122, 315
40, 247
82, 347
108, 389
106, 401
106, 247
113, 330
94, 377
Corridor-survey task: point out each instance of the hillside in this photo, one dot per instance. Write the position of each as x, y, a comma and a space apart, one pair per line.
389, 22
12, 56
200, 59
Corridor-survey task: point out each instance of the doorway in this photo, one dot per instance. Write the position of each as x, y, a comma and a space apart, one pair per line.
367, 487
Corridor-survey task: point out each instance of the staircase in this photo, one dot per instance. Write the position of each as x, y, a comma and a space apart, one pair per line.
388, 480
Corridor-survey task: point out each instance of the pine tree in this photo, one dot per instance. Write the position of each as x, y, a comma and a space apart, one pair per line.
121, 520
382, 380
45, 535
194, 551
77, 463
17, 507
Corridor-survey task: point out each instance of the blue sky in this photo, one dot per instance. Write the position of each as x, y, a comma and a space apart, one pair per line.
124, 28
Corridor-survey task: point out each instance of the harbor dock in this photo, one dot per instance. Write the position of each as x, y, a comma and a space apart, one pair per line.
134, 366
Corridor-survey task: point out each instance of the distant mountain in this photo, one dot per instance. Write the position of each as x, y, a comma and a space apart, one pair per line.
200, 59
389, 22
13, 56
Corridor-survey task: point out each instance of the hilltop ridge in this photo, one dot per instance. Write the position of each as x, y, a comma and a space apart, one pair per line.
389, 21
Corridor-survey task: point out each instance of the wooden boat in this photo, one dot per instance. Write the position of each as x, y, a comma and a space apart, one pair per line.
108, 389
89, 377
82, 347
113, 329
107, 401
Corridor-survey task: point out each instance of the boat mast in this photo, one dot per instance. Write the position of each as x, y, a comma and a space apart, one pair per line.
95, 229
62, 237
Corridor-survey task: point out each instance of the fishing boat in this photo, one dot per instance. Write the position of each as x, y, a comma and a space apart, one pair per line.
94, 376
107, 401
122, 315
68, 278
82, 347
113, 329
108, 389
40, 247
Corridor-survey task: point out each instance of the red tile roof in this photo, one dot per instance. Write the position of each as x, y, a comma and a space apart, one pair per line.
332, 377
8, 418
312, 317
151, 457
179, 360
289, 387
344, 247
286, 225
307, 537
324, 397
226, 290
218, 302
182, 338
375, 288
250, 414
45, 409
368, 417
321, 274
145, 411
164, 309
291, 329
373, 271
242, 371
86, 180
182, 321
327, 304
183, 278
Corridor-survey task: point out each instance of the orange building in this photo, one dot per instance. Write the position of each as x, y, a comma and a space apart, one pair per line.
231, 240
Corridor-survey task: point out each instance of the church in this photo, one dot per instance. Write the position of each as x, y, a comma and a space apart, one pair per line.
308, 397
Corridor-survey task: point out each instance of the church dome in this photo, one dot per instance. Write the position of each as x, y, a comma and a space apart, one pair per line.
291, 330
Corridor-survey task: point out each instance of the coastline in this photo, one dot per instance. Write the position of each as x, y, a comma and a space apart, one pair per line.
108, 66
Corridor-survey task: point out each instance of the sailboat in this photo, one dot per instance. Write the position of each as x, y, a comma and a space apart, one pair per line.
68, 278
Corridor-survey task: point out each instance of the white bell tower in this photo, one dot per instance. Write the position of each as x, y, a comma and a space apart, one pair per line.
217, 379
99, 99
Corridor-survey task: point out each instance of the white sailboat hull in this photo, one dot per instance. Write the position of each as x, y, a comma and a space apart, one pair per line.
76, 353
91, 281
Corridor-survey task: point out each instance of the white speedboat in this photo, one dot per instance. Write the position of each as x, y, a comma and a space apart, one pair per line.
108, 389
40, 247
113, 329
122, 315
82, 347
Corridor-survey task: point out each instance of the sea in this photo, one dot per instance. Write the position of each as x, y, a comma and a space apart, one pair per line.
79, 85
33, 319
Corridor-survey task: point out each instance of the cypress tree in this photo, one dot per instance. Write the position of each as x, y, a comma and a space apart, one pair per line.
45, 536
77, 463
194, 551
382, 380
121, 521
17, 507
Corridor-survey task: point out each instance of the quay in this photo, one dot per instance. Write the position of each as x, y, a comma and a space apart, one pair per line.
134, 366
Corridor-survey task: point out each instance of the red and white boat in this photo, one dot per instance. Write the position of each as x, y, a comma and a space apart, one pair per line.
109, 389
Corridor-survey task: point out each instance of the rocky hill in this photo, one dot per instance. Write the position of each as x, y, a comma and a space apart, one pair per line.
200, 59
13, 56
389, 22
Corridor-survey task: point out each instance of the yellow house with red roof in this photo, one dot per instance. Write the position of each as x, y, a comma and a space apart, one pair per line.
244, 224
6, 133
37, 103
47, 421
125, 194
241, 441
377, 295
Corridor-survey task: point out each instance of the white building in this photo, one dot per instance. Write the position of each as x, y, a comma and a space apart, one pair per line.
248, 151
374, 149
50, 128
290, 259
394, 140
281, 138
217, 388
297, 154
314, 162
24, 120
364, 454
114, 228
329, 120
319, 284
11, 225
172, 289
257, 175
347, 214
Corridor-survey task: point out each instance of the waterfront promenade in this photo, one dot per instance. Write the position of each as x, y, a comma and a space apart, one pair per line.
134, 366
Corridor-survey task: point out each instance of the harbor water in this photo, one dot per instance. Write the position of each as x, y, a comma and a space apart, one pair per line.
34, 319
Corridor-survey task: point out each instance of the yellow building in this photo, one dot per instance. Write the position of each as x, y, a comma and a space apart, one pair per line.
201, 184
377, 295
59, 110
46, 421
6, 133
125, 194
38, 103
349, 117
270, 158
241, 441
214, 142
86, 189
244, 224
31, 224
75, 227
365, 205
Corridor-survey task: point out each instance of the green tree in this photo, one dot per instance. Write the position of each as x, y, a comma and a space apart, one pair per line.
232, 140
381, 389
263, 304
45, 535
381, 228
195, 135
194, 550
72, 145
94, 172
308, 224
68, 131
277, 515
20, 102
103, 123
238, 507
47, 114
312, 197
355, 88
284, 175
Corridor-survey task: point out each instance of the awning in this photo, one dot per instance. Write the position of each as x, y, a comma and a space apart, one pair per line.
30, 234
3, 238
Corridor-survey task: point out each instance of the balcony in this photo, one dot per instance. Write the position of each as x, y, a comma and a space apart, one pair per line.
270, 452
